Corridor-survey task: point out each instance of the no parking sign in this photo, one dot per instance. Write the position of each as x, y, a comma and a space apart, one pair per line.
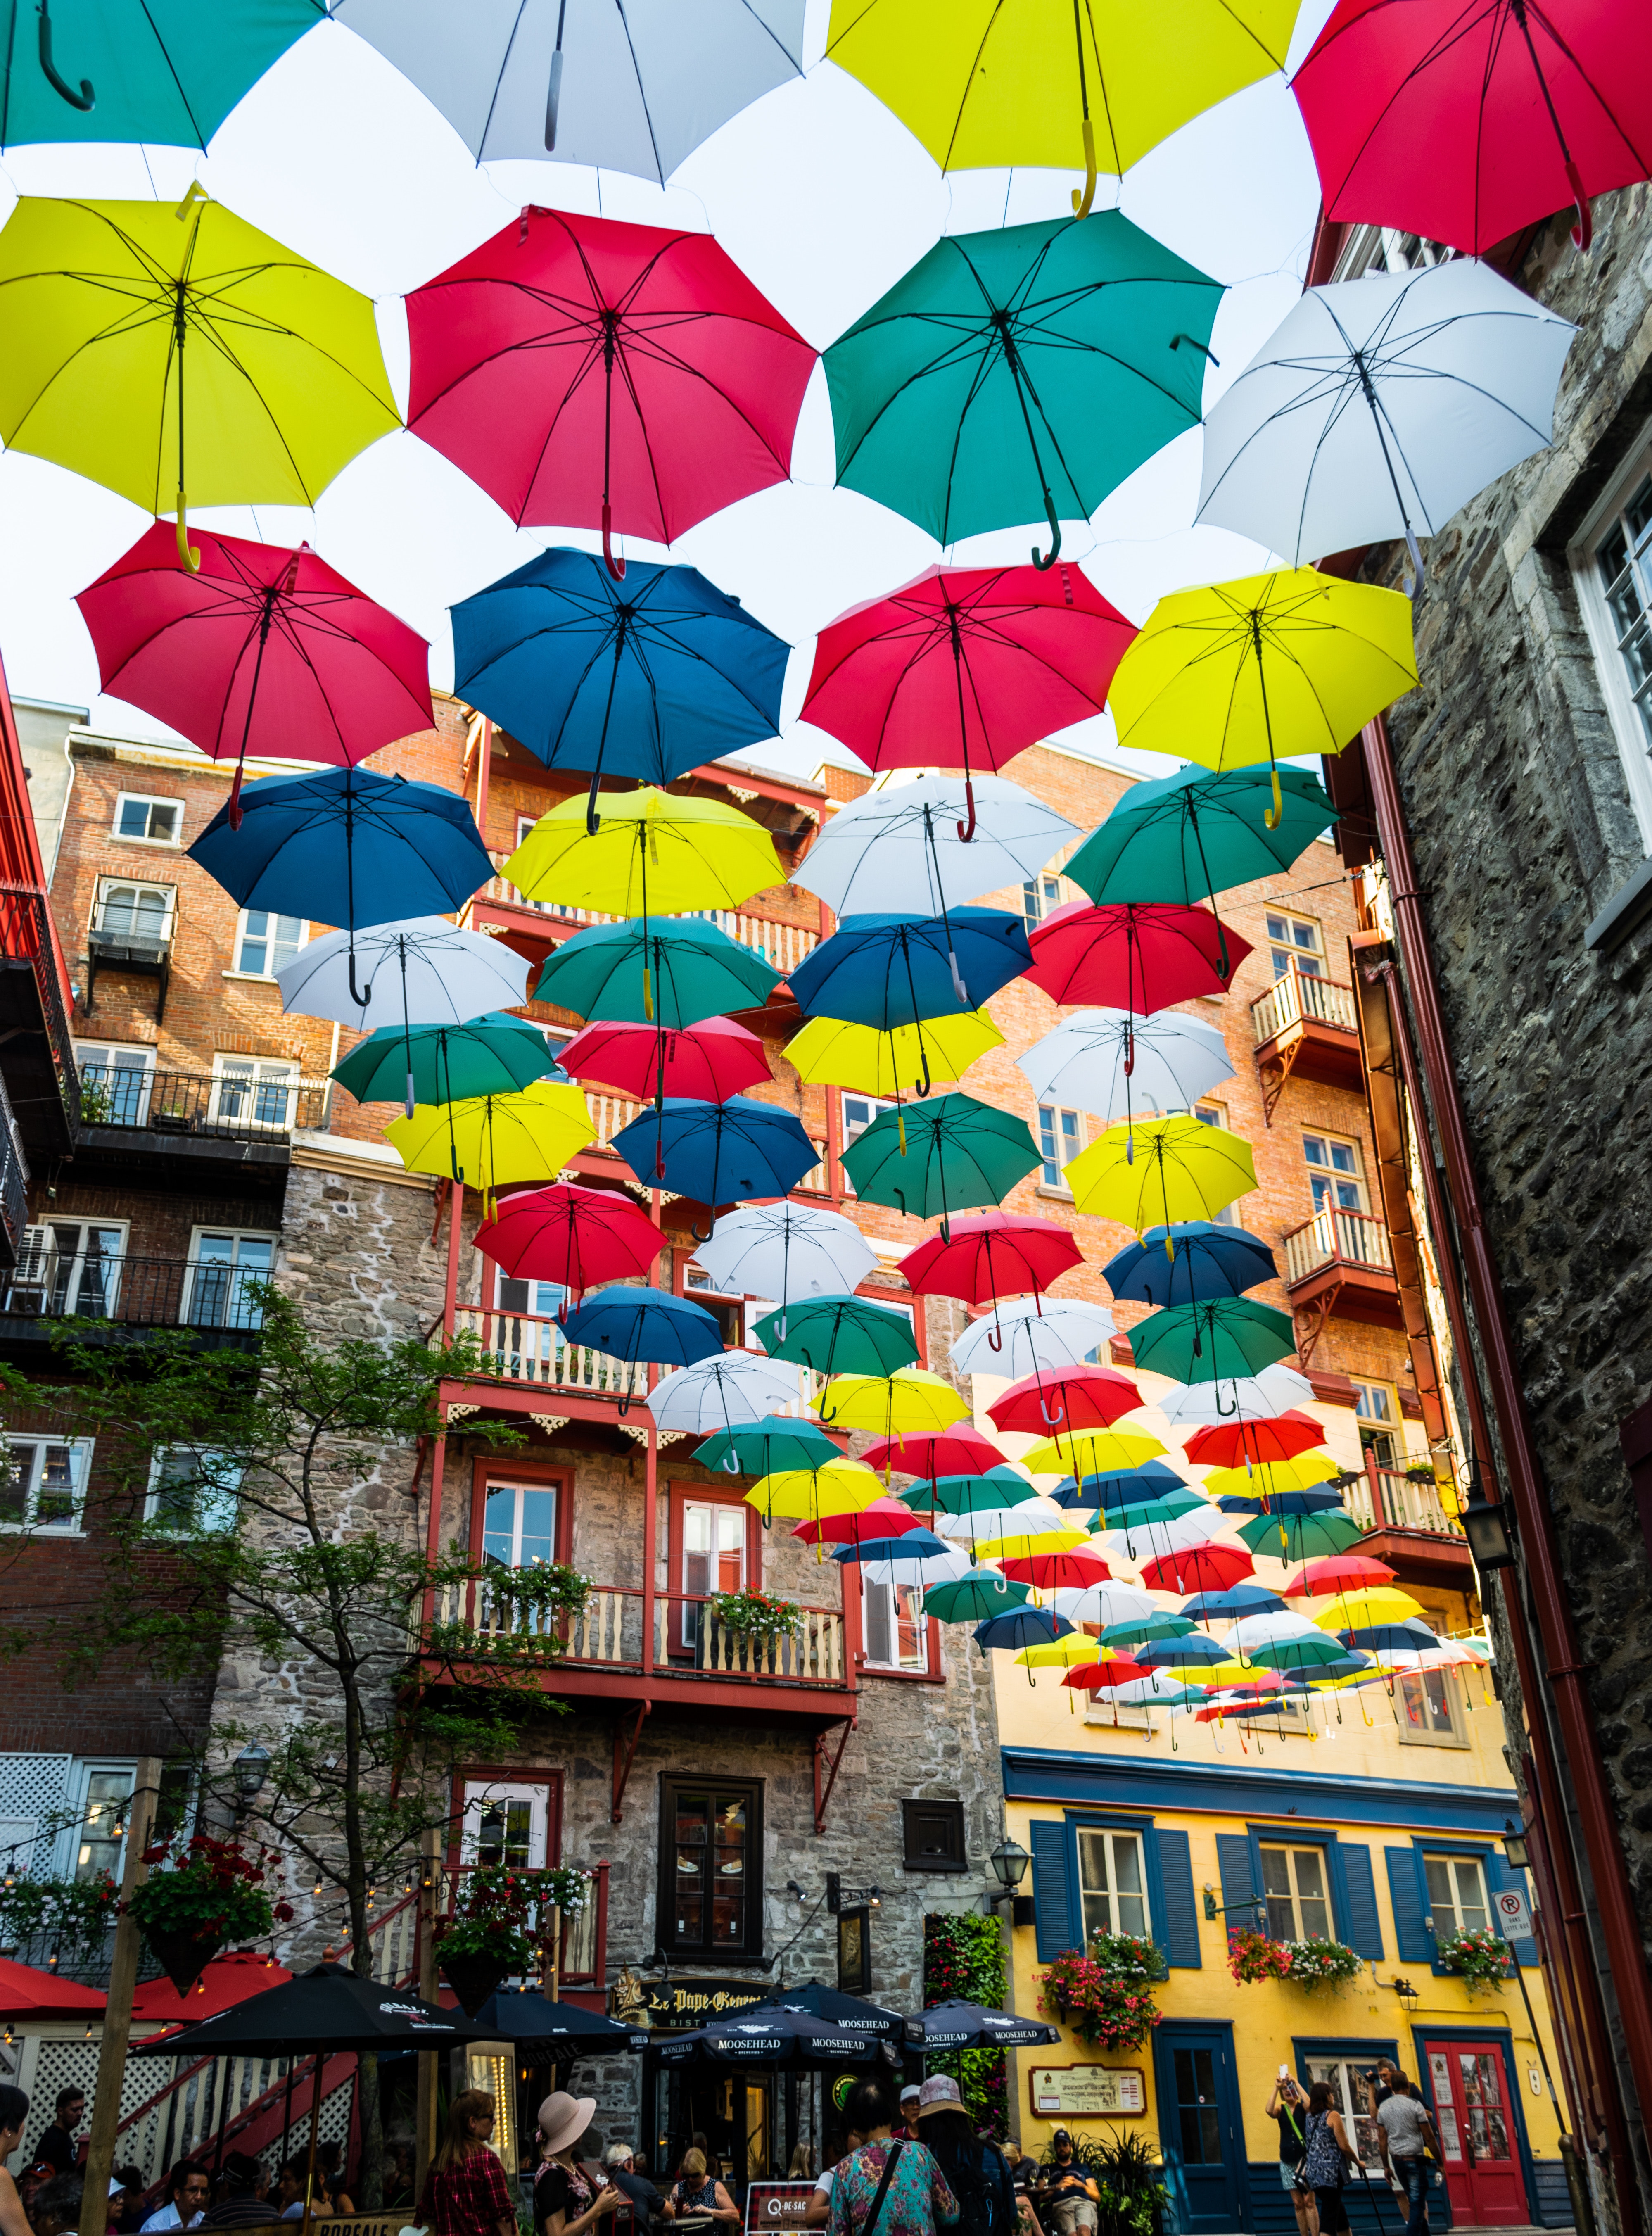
1513, 1914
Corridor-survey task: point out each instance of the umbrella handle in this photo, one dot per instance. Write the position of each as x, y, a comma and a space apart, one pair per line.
615, 567
695, 1233
186, 556
85, 99
1044, 565
1413, 551
967, 831
1274, 815
1583, 233
995, 1338
1052, 1420
592, 820
362, 996
553, 100
1081, 201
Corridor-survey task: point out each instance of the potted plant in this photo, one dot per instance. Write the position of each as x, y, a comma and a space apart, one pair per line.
1420, 1471
1481, 1958
196, 1901
1253, 1955
1131, 2185
1322, 1964
755, 1619
501, 1926
1104, 1993
73, 1915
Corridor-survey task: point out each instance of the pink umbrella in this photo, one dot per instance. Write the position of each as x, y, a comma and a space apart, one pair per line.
265, 651
991, 1254
706, 1063
932, 1452
571, 1235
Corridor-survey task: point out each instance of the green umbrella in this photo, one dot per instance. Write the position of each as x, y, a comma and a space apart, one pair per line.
1219, 1339
1021, 372
1198, 832
490, 1055
949, 1154
1147, 1510
982, 1592
1149, 1628
774, 1445
623, 973
967, 1494
1300, 1652
1298, 1536
840, 1335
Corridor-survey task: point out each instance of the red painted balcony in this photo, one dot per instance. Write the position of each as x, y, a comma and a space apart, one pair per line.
1408, 1524
1308, 1024
1339, 1262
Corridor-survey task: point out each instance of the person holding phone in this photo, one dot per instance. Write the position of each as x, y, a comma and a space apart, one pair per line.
1287, 2107
1329, 2154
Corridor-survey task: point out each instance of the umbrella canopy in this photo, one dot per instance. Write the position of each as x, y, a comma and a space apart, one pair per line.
1278, 1537
1181, 1649
1020, 375
907, 1543
965, 665
569, 1235
837, 1486
1026, 1333
772, 1445
26, 1992
912, 1057
733, 1394
598, 82
841, 1335
654, 851
639, 1324
977, 1597
1205, 1261
990, 1256
1378, 407
1188, 1568
951, 1154
1273, 1479
1170, 1168
885, 1518
970, 1493
1136, 955
490, 1140
265, 651
915, 1572
1093, 1451
1332, 1575
1106, 1493
893, 970
1147, 1630
770, 2036
1281, 1502
120, 317
1081, 1397
1374, 1604
704, 1063
1205, 1342
1104, 1603
520, 2014
1115, 1063
1022, 1626
1103, 1673
671, 979
1259, 1396
957, 1453
1135, 1514
325, 2008
422, 968
1195, 1525
906, 839
1466, 123
1234, 1444
785, 1250
911, 1401
644, 678
850, 2013
717, 1152
1185, 837
589, 373
1071, 1571
1232, 1606
958, 2025
491, 1055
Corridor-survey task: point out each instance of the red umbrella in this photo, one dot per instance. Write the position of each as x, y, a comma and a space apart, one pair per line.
1465, 120
573, 1235
934, 1452
884, 1517
1102, 1676
1133, 955
966, 665
1076, 1397
1334, 1574
717, 1059
228, 1980
589, 373
1207, 1567
265, 651
1231, 1443
26, 1992
1074, 1571
991, 1254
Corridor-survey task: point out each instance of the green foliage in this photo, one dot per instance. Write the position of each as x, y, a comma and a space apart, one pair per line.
73, 1915
212, 1889
1128, 2175
508, 1915
753, 1614
963, 1957
1481, 1958
1104, 1993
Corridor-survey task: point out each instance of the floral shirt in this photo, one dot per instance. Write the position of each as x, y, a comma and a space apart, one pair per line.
918, 2195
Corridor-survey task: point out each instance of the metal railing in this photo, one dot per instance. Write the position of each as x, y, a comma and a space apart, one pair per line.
14, 1176
1387, 1498
26, 936
1335, 1236
1304, 996
783, 944
609, 1633
50, 1284
234, 1107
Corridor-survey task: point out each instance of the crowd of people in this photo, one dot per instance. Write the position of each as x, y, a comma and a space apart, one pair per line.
1318, 2157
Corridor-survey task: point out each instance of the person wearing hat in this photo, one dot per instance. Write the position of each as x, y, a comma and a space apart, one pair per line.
465, 2192
909, 2110
246, 2202
1070, 2194
566, 2201
890, 2186
977, 2172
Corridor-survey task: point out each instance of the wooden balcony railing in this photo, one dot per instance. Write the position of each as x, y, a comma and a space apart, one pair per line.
1303, 997
1331, 1237
610, 1633
530, 1347
784, 944
1386, 1498
583, 1954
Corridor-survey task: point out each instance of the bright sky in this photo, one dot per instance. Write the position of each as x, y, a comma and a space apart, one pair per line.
817, 191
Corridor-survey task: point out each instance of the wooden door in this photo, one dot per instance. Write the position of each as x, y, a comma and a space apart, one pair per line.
1200, 2133
1478, 2135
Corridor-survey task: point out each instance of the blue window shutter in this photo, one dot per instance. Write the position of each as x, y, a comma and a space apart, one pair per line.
1238, 1884
1498, 1875
1416, 1943
1361, 1927
1052, 1892
1180, 1913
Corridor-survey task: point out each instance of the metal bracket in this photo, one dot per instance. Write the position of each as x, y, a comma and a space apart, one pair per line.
834, 1763
625, 1753
1314, 1317
1281, 1064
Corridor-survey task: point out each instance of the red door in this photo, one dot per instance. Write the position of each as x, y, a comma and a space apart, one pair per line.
1477, 2135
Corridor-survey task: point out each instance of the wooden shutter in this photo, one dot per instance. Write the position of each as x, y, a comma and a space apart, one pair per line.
1416, 1943
1180, 1920
1052, 1892
1360, 1926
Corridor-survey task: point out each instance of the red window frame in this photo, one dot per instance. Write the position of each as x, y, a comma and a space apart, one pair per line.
509, 1773
523, 1471
705, 1494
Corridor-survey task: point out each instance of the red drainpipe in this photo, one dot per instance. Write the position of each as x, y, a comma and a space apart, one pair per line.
1619, 1924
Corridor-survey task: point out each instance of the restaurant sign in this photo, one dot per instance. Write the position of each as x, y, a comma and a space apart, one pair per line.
676, 2004
777, 2205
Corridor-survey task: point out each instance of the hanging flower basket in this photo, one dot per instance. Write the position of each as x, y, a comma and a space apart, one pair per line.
191, 1907
753, 1614
502, 1926
472, 1979
1253, 1955
184, 1957
1481, 1959
1322, 1964
1105, 1994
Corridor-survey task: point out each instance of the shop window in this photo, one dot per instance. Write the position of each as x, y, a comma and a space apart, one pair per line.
934, 1836
1295, 940
711, 1876
1113, 1885
156, 822
1293, 1884
1350, 2095
1456, 1898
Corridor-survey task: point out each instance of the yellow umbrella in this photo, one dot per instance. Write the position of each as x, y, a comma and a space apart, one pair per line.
1159, 1171
1031, 1544
813, 1494
487, 1141
890, 1405
1268, 1477
1060, 1653
1100, 1452
912, 1057
1361, 1610
652, 851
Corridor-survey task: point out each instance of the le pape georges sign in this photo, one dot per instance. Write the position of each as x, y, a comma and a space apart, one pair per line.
677, 2003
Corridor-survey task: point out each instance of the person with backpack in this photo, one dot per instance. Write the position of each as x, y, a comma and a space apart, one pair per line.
891, 2185
1327, 2152
977, 2172
1287, 2107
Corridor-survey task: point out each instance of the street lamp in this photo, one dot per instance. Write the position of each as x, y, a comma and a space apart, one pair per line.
1009, 1861
1486, 1524
1514, 1845
251, 1768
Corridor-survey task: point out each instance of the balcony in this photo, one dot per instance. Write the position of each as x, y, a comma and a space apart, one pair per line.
51, 1286
1340, 1262
132, 930
1305, 1024
14, 1184
1407, 1524
534, 927
39, 1047
529, 1351
197, 1127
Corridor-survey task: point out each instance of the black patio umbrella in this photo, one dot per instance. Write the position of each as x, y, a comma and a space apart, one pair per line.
520, 2014
766, 2035
852, 2014
322, 2011
968, 2026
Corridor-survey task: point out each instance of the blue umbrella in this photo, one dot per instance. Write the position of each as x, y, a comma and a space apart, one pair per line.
1129, 1487
1240, 1600
644, 678
1022, 1627
381, 846
1390, 1637
633, 1323
1209, 1261
916, 1545
717, 1152
1179, 1653
1283, 1501
891, 971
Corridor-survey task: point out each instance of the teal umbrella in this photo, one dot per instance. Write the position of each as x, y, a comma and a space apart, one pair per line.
967, 1494
1147, 1510
1197, 831
1149, 1628
1304, 1652
490, 1055
949, 1154
1020, 374
628, 972
775, 1445
1218, 1340
976, 1596
1298, 1536
840, 1335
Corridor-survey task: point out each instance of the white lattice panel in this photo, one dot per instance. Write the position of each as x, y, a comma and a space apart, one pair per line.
34, 1786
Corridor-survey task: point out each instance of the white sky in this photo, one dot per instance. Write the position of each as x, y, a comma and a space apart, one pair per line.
817, 191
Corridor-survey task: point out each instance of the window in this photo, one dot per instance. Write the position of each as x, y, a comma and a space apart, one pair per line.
859, 1111
191, 1490
1215, 1113
254, 1091
159, 822
115, 1083
1112, 1887
712, 1559
70, 1268
48, 1491
894, 1629
538, 1299
725, 1310
1295, 939
1377, 1410
222, 1271
519, 1524
1293, 1882
103, 1831
1060, 1139
933, 1835
1346, 2078
710, 1883
131, 911
1039, 897
1430, 1709
506, 1825
264, 942
1334, 1173
1612, 570
1456, 1895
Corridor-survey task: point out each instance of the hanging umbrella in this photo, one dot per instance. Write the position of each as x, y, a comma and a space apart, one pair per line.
1147, 1630
1312, 1653
913, 1572
717, 1152
1073, 1570
128, 331
951, 1154
1105, 1603
424, 968
1103, 1673
893, 970
1385, 1638
1026, 1333
493, 1055
1259, 1396
1379, 407
1209, 1567
958, 2025
970, 1493
1114, 1063
656, 850
1281, 1502
1373, 1605
990, 1256
1184, 1649
1022, 1520
1138, 955
645, 679
1170, 1168
907, 1544
1236, 674
1205, 1261
487, 1140
1234, 1605
912, 1057
1095, 1451
1020, 375
1222, 1337
965, 663
840, 1335
771, 1445
1105, 1493
1466, 120
1135, 1515
977, 1597
570, 1236
733, 1393
1273, 1479
1252, 1442
588, 373
1058, 1654
1068, 1403
704, 1063
163, 75
641, 1324
790, 2039
884, 1518
265, 651
785, 1250
1279, 1537
1022, 1626
1135, 1542
955, 1450
592, 82
911, 1401
622, 972
1318, 1578
837, 1486
905, 839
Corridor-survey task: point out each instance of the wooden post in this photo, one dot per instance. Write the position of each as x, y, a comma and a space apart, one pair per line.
425, 2147
117, 2017
556, 1950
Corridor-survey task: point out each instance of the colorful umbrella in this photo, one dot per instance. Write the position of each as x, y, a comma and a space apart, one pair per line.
1131, 1518
910, 1399
785, 1250
491, 1055
1022, 1626
426, 967
488, 1141
1170, 1168
1197, 1525
774, 1445
589, 373
975, 1597
990, 1256
1233, 1606
837, 1486
1096, 1451
968, 1493
884, 1518
622, 972
1316, 1578
1376, 1605
965, 663
570, 1235
1188, 1649
1259, 1396
706, 1063
1082, 1397
943, 1452
906, 839
1114, 1063
1204, 1260
1146, 1629
913, 1057
1057, 1654
1279, 1537
119, 317
1020, 375
917, 1546
647, 679
840, 1335
730, 1392
1254, 1443
893, 970
639, 1324
1104, 1603
951, 1154
1273, 1479
1103, 1674
1136, 955
655, 850
1466, 120
1104, 1493
1210, 1341
265, 651
1026, 1333
1188, 1568
1281, 1501
717, 1152
1185, 837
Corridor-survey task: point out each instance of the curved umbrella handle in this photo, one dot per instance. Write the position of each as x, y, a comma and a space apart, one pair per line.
1413, 584
995, 1338
1272, 816
1052, 1420
363, 996
592, 820
615, 567
85, 99
967, 831
1044, 565
187, 557
1081, 201
696, 1234
1583, 233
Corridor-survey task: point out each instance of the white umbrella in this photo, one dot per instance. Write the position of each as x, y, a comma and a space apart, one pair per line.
1254, 1630
1379, 407
1101, 1603
1057, 1333
1149, 1541
926, 1569
1173, 1059
729, 1391
632, 85
1029, 1518
1260, 1397
899, 847
786, 1250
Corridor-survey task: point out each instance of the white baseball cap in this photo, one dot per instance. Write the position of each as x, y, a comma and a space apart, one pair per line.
910, 2095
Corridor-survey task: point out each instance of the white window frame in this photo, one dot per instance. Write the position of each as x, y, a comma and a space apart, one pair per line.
261, 1072
264, 977
918, 1665
1131, 1716
1300, 1928
1038, 904
123, 799
77, 1795
243, 1315
1412, 1685
79, 1450
1386, 1424
1315, 956
480, 1796
99, 1055
505, 1481
1342, 2073
1104, 1842
875, 1103
1057, 1111
41, 1262
106, 886
1332, 1174
1443, 1927
218, 1508
1633, 745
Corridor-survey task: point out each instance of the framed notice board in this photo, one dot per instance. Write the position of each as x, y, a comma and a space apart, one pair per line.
1087, 2092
